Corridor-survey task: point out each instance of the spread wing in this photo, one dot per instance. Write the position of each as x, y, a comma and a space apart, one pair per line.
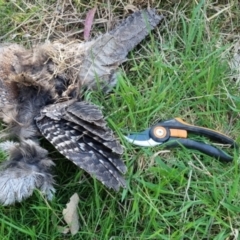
81, 135
108, 51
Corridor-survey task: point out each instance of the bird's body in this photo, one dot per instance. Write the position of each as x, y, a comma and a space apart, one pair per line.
40, 97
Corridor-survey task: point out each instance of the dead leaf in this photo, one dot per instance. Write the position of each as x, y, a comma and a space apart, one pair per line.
88, 23
70, 214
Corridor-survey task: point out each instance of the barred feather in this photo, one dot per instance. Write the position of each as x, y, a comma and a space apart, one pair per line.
90, 145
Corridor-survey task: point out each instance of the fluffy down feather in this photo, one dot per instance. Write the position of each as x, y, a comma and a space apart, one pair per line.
40, 95
26, 169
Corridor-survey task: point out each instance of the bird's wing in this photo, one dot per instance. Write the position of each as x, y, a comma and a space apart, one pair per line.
109, 50
81, 135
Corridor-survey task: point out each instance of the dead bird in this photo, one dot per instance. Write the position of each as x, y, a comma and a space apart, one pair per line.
40, 96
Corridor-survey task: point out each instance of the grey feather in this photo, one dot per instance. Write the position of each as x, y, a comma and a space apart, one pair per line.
101, 60
87, 112
40, 90
27, 168
75, 138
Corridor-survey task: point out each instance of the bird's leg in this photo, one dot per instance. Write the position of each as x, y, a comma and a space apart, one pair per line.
27, 168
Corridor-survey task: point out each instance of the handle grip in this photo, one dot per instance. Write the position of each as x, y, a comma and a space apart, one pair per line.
202, 147
178, 123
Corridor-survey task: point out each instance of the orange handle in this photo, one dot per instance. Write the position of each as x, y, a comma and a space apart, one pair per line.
178, 133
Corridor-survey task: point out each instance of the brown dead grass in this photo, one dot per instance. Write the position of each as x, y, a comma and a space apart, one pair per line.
34, 22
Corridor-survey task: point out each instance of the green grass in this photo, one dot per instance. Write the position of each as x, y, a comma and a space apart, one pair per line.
181, 70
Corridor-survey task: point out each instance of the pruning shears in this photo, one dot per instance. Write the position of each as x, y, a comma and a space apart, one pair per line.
174, 132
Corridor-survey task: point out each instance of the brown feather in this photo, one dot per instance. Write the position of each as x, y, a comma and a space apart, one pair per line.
40, 92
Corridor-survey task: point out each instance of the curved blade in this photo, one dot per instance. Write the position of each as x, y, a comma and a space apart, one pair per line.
142, 139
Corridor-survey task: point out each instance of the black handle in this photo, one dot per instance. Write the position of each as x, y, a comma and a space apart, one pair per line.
178, 123
202, 147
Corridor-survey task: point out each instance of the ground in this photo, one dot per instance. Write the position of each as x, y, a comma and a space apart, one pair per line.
182, 70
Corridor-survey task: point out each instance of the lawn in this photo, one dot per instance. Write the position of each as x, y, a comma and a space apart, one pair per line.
183, 69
